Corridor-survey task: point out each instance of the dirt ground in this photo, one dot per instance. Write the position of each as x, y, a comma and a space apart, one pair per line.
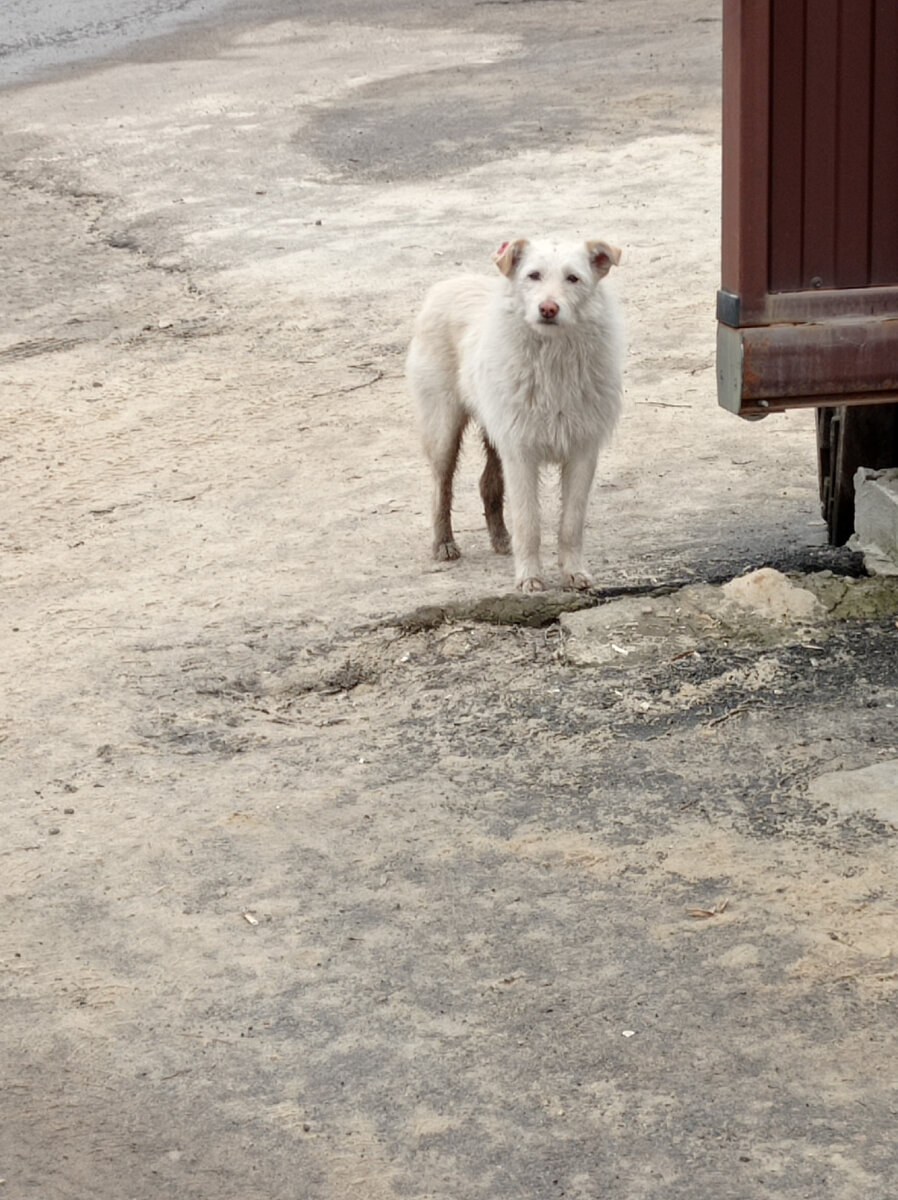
332, 872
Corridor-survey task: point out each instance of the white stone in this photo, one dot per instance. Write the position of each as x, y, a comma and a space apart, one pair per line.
771, 594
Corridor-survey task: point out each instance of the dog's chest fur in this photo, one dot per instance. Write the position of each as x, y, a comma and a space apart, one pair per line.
543, 393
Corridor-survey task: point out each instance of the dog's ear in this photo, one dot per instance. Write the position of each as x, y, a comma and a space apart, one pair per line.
603, 256
509, 255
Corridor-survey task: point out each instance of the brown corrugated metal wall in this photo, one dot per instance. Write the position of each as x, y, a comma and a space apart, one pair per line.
808, 305
833, 208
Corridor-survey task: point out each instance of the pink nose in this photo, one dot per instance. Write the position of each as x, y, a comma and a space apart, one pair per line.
548, 310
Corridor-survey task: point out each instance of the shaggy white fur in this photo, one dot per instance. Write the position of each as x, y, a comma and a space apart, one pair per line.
535, 357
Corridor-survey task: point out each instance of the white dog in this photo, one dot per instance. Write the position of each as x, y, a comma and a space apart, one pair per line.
535, 357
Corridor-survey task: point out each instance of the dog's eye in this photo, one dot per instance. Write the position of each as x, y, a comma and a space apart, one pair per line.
534, 275
573, 278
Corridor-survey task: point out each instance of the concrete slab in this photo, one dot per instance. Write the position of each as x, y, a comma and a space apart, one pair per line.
762, 608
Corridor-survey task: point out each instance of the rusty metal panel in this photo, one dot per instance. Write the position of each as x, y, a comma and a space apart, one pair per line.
810, 194
821, 146
786, 146
855, 155
822, 81
746, 72
884, 231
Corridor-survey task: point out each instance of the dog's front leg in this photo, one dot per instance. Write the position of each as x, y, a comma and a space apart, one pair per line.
522, 484
576, 480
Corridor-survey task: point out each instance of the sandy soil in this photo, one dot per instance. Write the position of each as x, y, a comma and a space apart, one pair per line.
304, 899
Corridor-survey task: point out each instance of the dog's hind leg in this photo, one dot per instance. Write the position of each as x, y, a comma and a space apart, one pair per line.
442, 428
441, 420
492, 492
443, 460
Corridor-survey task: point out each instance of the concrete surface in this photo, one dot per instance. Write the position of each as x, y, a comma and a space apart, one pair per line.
326, 873
41, 38
759, 610
872, 789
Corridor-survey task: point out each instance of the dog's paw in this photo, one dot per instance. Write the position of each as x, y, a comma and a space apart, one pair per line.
576, 581
532, 584
446, 551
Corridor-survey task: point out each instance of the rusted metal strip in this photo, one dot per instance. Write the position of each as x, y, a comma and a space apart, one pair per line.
807, 306
772, 367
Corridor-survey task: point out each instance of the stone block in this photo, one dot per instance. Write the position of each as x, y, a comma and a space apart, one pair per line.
876, 518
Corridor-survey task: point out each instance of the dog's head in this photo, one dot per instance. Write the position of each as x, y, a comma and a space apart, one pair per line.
553, 283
